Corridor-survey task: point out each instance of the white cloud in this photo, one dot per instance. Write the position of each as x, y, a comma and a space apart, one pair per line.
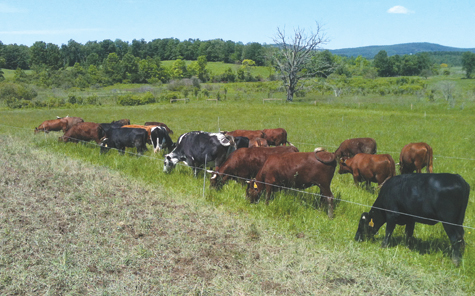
399, 9
5, 8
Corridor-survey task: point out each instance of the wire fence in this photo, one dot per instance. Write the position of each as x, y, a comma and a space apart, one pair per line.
205, 171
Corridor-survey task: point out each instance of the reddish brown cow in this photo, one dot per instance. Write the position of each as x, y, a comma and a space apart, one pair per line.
71, 121
246, 133
124, 121
415, 156
295, 170
258, 142
351, 147
245, 163
84, 131
52, 125
368, 168
170, 132
276, 136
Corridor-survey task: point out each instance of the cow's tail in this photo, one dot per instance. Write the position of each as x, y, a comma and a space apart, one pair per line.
430, 167
392, 172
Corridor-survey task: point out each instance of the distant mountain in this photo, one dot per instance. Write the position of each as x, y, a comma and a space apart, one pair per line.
401, 49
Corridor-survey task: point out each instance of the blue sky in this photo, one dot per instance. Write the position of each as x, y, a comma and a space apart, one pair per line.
345, 23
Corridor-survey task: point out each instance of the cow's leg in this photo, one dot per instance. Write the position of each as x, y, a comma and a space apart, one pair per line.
327, 196
409, 231
455, 234
390, 225
356, 178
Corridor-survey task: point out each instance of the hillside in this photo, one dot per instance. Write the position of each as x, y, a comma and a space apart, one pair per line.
401, 49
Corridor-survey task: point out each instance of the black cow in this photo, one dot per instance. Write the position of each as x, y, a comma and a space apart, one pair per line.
109, 126
161, 139
119, 138
422, 198
241, 142
197, 148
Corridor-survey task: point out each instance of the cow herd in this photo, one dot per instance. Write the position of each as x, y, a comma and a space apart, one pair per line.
245, 156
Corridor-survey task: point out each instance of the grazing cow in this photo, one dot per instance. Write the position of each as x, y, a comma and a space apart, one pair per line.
197, 148
54, 125
276, 136
122, 121
241, 142
83, 131
109, 126
170, 132
422, 198
246, 133
296, 170
161, 139
245, 163
258, 142
351, 147
415, 156
369, 168
148, 128
71, 120
120, 138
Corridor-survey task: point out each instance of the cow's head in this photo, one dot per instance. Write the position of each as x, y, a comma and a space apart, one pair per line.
170, 162
253, 190
105, 145
344, 168
366, 227
214, 180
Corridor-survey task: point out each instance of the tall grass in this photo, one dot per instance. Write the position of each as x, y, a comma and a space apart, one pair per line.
449, 132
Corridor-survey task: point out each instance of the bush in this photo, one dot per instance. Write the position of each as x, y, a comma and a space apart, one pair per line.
148, 98
92, 100
16, 91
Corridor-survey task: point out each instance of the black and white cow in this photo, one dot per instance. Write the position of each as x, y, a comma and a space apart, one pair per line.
421, 198
161, 139
197, 148
119, 138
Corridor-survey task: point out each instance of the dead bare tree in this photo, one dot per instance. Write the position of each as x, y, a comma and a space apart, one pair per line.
293, 56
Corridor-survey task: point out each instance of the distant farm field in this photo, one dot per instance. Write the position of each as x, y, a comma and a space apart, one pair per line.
287, 247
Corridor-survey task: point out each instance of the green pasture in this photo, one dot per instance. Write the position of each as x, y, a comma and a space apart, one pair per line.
448, 131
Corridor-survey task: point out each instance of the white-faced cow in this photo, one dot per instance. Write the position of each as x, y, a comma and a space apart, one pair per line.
198, 148
422, 198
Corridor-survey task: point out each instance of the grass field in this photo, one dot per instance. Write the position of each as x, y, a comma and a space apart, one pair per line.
299, 249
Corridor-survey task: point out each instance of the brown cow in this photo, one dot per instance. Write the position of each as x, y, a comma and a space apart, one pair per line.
276, 136
71, 121
245, 163
296, 170
170, 132
84, 131
52, 125
351, 147
246, 133
124, 121
415, 156
258, 142
369, 168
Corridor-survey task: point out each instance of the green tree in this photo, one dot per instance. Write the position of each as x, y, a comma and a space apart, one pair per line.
383, 64
113, 68
130, 67
178, 69
2, 63
468, 63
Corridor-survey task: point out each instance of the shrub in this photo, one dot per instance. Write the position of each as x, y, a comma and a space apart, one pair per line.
148, 98
92, 100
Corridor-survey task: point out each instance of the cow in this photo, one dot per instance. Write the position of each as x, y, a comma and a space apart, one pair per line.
161, 139
258, 142
422, 198
250, 134
245, 163
54, 125
124, 121
83, 131
170, 132
295, 170
241, 142
71, 121
276, 136
415, 156
351, 147
197, 148
109, 126
369, 168
120, 138
148, 128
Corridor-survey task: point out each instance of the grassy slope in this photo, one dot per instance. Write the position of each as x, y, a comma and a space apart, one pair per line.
308, 127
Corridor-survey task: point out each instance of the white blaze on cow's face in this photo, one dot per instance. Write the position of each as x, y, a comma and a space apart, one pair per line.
169, 163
